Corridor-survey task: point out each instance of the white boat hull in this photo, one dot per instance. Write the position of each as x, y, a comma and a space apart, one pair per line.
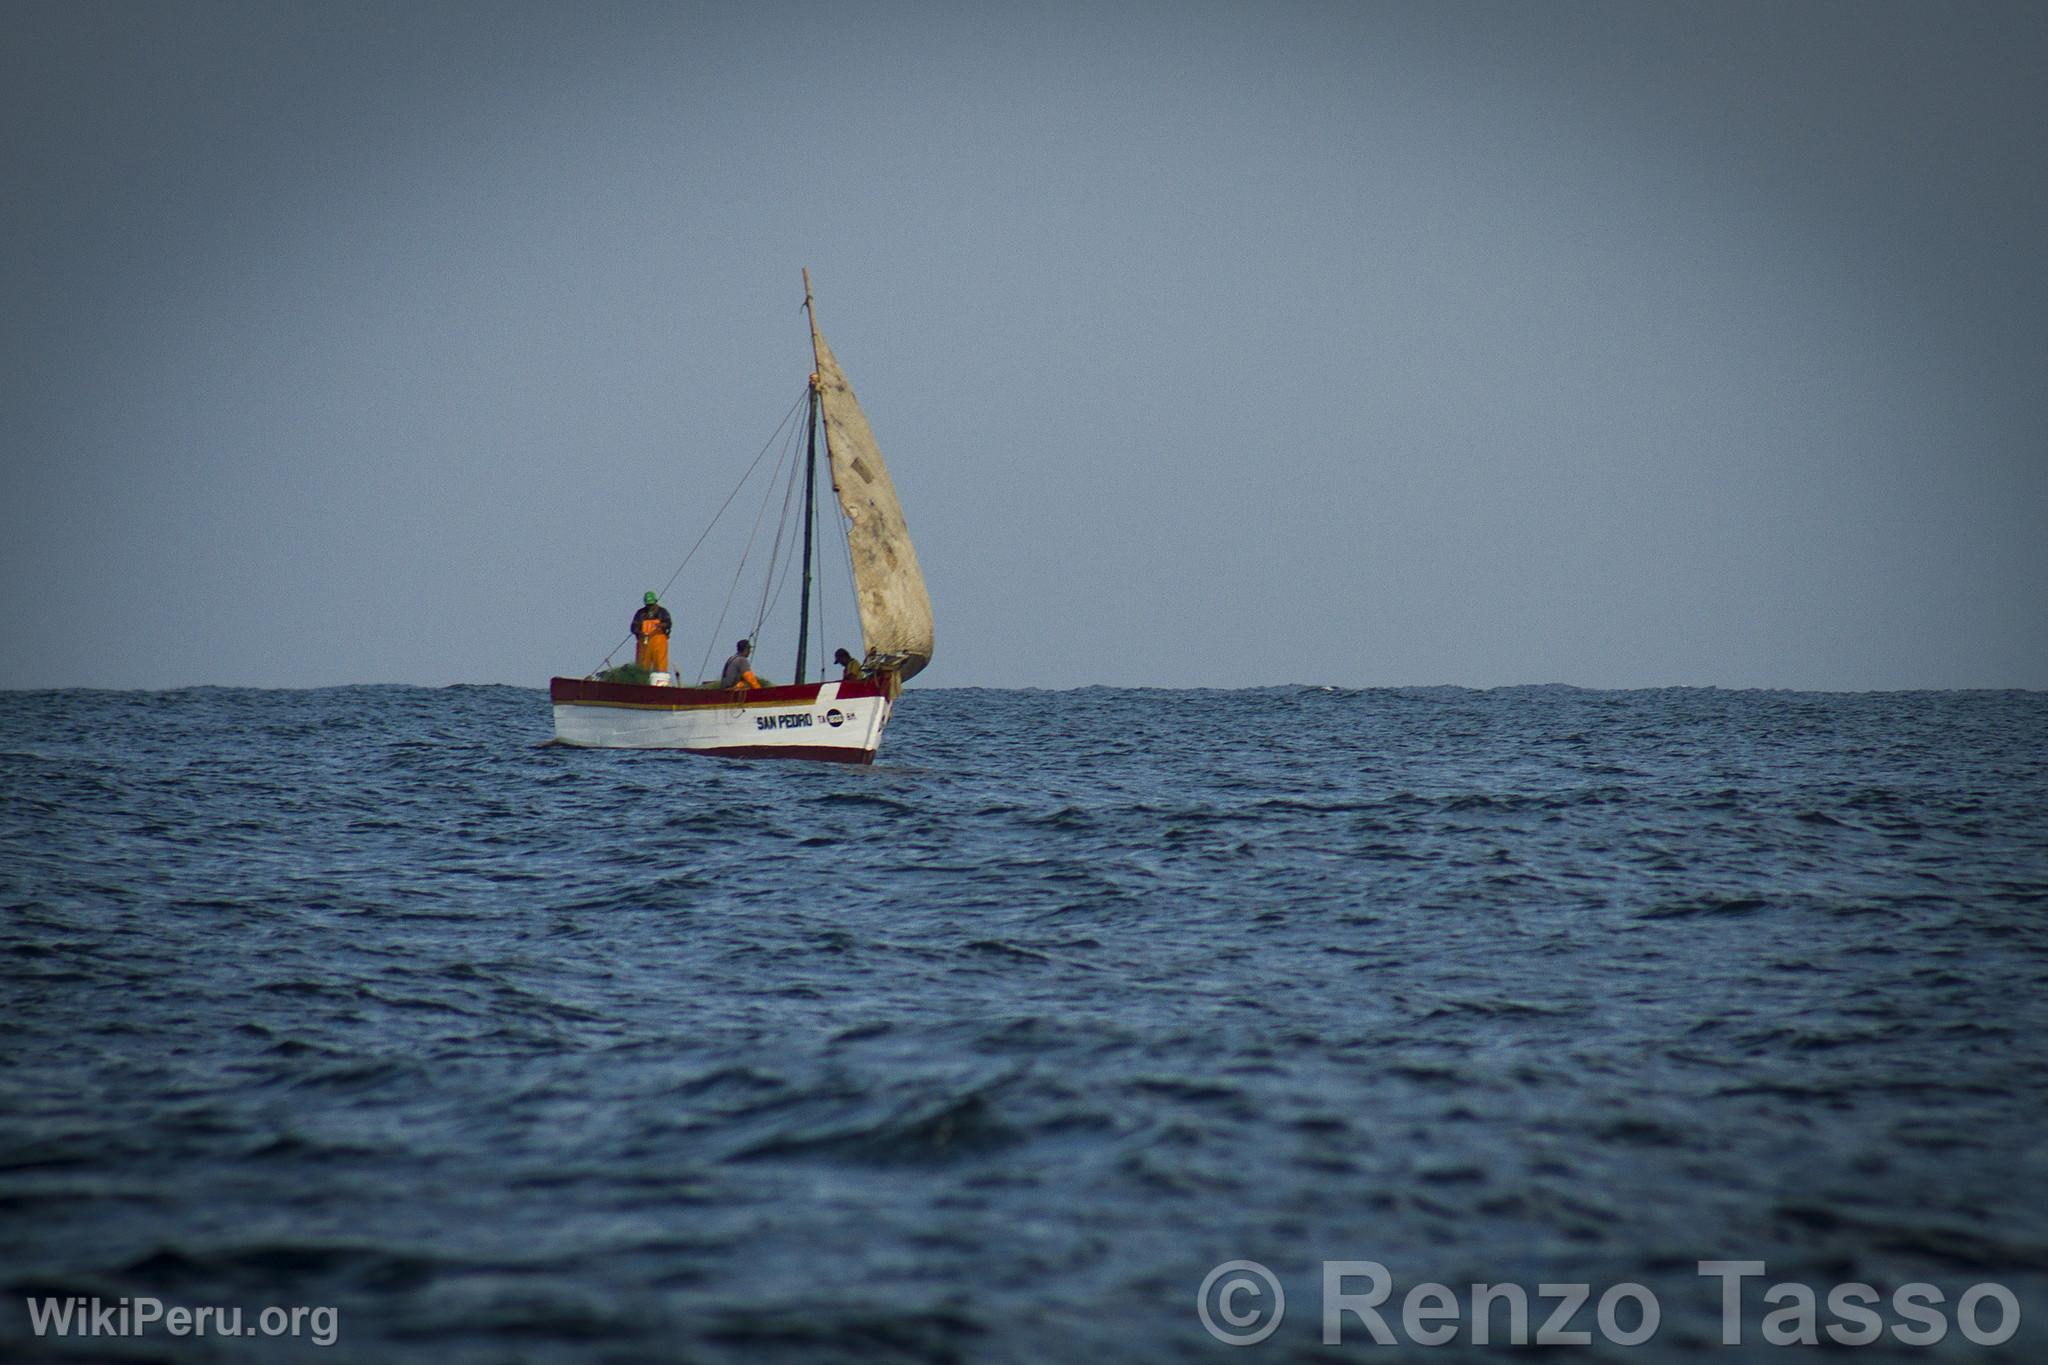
833, 721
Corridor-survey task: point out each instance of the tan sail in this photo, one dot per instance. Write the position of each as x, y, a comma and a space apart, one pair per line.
895, 608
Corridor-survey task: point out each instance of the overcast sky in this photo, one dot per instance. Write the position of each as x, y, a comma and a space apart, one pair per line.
1210, 344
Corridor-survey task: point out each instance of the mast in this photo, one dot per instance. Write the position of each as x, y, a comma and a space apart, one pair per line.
811, 316
809, 488
803, 617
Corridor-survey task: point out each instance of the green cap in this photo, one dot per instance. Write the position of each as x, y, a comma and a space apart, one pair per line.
650, 599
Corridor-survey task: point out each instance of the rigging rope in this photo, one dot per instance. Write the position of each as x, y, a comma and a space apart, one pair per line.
711, 647
775, 556
770, 444
852, 582
821, 596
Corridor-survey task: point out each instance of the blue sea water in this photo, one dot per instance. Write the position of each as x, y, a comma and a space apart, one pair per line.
367, 999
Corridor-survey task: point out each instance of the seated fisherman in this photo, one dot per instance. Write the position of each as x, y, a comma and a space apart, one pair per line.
853, 670
739, 669
652, 626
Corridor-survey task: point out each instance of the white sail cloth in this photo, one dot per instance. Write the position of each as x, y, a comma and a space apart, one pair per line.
895, 608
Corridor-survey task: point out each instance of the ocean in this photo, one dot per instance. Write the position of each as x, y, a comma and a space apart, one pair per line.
366, 1003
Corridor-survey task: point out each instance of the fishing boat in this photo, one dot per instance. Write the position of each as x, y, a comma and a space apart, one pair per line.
839, 720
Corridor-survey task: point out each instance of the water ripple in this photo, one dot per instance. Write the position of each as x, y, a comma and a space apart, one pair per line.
366, 997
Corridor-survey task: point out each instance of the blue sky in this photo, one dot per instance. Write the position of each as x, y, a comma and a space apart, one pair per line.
1210, 344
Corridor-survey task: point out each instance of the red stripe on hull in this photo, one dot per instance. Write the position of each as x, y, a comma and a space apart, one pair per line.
571, 691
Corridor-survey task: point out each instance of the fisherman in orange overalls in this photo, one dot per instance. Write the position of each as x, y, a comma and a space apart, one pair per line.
651, 627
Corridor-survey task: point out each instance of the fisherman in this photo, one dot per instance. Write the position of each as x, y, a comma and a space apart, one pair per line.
739, 669
853, 670
651, 627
